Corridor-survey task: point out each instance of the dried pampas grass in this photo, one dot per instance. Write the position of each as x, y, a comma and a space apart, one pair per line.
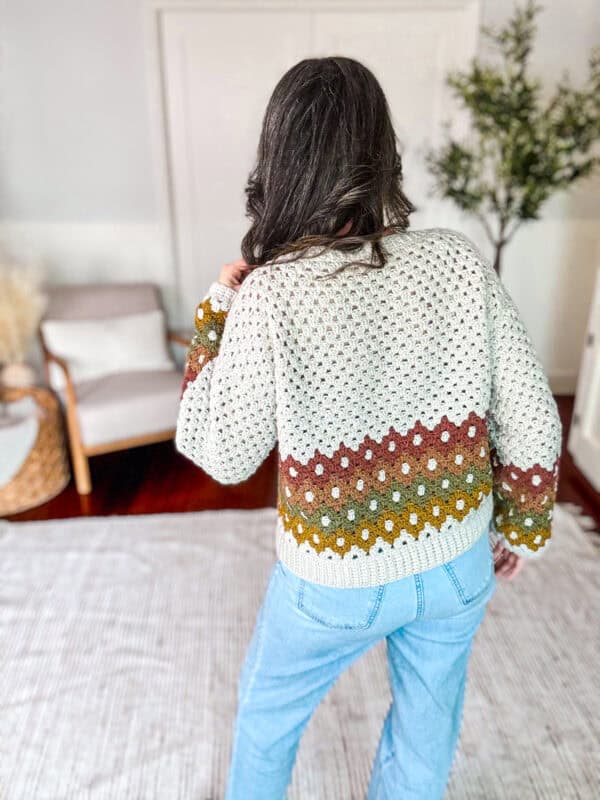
22, 304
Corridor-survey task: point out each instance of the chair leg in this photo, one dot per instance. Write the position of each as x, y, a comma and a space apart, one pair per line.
81, 468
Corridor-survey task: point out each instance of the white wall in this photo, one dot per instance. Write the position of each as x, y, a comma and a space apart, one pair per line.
80, 187
550, 265
78, 174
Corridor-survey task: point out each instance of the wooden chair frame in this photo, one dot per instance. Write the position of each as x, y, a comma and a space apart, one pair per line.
80, 454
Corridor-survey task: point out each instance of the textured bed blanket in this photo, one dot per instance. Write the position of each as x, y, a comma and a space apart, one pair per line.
121, 640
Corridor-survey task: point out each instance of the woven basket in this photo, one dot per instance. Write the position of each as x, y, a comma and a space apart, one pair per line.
45, 472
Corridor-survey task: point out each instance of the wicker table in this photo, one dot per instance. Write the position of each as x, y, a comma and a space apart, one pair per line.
31, 424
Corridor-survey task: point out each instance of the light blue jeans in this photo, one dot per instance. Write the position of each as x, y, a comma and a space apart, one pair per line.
306, 634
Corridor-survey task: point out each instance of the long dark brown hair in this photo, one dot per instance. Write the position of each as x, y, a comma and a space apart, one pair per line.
327, 155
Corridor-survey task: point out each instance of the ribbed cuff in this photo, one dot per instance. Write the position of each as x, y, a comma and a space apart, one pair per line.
221, 295
522, 549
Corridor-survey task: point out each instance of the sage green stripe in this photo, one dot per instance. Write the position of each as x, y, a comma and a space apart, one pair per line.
408, 495
504, 505
201, 339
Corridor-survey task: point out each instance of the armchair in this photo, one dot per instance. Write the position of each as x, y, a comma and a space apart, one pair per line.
121, 409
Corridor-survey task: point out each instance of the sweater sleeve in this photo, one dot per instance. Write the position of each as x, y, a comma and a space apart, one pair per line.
524, 429
226, 422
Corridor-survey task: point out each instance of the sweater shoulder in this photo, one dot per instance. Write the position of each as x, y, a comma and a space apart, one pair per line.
465, 251
254, 291
448, 247
462, 243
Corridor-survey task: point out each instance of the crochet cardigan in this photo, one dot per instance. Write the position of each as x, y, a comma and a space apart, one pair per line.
410, 408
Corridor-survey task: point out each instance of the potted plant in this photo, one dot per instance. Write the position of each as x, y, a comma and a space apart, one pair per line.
523, 148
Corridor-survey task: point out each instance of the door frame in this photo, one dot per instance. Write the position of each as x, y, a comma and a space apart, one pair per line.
154, 12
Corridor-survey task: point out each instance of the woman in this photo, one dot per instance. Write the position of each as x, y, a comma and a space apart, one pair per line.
412, 417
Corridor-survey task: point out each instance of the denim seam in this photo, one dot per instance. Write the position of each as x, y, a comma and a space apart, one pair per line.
420, 597
466, 600
376, 606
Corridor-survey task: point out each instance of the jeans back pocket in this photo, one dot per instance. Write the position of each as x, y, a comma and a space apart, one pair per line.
472, 572
350, 609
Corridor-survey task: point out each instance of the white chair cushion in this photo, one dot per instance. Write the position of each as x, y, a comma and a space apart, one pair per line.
94, 348
128, 404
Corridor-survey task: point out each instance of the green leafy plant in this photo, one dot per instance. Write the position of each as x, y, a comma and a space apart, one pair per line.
523, 148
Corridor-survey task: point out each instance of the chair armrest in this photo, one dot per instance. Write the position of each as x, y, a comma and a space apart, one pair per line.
62, 364
179, 338
50, 358
70, 397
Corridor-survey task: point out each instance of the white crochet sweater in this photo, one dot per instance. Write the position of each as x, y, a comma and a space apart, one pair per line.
409, 405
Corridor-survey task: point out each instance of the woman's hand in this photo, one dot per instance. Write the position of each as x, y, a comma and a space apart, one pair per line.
234, 273
506, 563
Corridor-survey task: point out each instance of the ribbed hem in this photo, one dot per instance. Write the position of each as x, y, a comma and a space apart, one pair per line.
393, 563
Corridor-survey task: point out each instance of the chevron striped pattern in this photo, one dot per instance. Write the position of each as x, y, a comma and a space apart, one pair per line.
390, 490
524, 502
386, 489
209, 324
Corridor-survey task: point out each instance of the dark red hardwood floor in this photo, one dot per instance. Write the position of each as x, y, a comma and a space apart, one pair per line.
157, 479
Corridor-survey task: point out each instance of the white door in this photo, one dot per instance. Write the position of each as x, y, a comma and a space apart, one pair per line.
219, 65
584, 436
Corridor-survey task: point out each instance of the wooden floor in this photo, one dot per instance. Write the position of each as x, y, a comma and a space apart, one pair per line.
155, 479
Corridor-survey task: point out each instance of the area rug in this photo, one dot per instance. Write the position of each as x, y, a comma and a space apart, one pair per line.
121, 640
